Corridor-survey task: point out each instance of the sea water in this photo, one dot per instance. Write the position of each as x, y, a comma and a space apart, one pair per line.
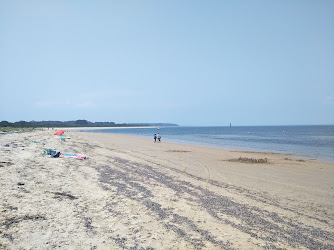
311, 142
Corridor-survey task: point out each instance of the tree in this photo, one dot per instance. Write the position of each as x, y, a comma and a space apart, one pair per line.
4, 124
81, 122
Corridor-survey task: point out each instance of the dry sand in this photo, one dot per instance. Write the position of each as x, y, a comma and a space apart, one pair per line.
131, 193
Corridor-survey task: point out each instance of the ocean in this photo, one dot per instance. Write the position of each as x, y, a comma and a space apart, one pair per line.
309, 142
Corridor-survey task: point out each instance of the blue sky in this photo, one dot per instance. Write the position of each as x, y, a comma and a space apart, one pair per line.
186, 62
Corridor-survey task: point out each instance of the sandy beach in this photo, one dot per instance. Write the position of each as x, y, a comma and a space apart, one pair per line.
132, 193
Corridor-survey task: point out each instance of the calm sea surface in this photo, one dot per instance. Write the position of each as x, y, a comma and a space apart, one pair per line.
311, 142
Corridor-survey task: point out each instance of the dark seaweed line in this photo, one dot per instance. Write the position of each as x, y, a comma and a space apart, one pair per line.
315, 232
15, 220
273, 216
139, 193
247, 193
248, 216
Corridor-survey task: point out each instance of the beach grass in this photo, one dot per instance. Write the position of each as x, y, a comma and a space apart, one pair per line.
15, 129
249, 160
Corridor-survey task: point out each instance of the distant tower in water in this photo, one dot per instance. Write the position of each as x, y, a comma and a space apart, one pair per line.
230, 125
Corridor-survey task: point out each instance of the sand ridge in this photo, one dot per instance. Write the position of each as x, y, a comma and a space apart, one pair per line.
132, 193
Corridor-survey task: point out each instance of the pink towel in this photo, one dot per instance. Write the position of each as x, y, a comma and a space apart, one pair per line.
81, 157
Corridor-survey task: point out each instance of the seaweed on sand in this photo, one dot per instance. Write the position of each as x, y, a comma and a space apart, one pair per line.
249, 160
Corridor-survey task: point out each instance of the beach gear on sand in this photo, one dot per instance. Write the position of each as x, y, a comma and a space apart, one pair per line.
63, 138
47, 151
80, 157
55, 155
68, 155
59, 132
35, 142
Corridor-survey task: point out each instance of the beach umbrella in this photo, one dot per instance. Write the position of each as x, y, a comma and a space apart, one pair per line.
59, 132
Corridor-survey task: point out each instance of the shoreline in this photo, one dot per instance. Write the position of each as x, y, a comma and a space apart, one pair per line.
222, 147
100, 128
131, 192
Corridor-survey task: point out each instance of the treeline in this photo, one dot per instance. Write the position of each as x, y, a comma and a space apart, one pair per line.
77, 123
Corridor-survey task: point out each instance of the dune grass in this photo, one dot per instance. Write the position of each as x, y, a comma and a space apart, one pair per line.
249, 160
14, 129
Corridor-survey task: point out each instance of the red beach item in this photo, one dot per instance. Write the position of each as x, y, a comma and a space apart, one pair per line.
59, 132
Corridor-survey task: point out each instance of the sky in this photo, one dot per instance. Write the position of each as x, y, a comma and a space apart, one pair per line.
198, 63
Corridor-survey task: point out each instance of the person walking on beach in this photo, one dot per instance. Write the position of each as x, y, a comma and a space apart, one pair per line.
155, 137
159, 137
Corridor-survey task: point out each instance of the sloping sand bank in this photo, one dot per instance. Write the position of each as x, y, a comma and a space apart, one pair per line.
132, 193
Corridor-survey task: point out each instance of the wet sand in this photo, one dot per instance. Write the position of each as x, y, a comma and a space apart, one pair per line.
131, 193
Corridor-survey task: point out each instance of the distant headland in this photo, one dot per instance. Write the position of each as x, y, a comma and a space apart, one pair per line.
77, 123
